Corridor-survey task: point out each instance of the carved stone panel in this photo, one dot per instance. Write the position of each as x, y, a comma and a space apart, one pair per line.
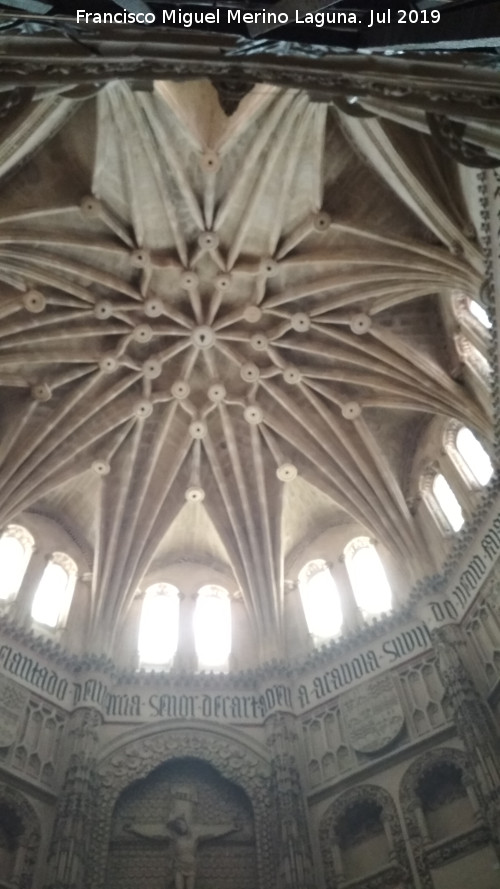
373, 714
13, 701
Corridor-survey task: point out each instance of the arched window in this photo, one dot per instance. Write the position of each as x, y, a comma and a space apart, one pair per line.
479, 313
447, 502
159, 628
16, 546
473, 455
212, 626
320, 600
55, 590
368, 578
470, 312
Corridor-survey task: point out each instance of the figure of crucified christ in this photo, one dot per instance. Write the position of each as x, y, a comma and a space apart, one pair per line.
185, 838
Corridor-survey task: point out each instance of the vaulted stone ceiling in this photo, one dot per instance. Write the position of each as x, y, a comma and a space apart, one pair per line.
222, 334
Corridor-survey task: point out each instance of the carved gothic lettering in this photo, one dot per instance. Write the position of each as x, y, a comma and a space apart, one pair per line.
459, 594
186, 706
5, 652
303, 695
235, 707
319, 687
39, 675
270, 700
21, 665
491, 545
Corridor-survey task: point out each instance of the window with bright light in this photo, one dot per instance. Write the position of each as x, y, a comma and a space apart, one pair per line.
159, 627
212, 627
447, 502
16, 547
474, 455
320, 600
55, 590
368, 578
479, 313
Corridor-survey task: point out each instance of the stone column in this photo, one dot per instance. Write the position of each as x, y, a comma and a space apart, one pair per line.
23, 603
474, 723
186, 657
68, 852
353, 618
293, 848
386, 824
422, 824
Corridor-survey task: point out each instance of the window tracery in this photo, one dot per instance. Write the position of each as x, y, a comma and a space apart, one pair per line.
368, 579
212, 627
469, 455
53, 596
159, 625
441, 501
16, 547
320, 600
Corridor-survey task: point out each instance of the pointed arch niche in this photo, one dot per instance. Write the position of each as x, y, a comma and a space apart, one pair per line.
177, 769
19, 839
194, 790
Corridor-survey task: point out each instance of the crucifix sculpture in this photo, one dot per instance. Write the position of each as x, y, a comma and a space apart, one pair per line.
185, 834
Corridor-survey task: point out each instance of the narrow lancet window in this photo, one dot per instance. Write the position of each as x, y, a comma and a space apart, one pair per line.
320, 600
159, 627
447, 502
16, 547
368, 578
54, 593
474, 455
212, 627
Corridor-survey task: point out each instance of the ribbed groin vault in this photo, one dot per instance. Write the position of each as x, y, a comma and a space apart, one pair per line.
249, 607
